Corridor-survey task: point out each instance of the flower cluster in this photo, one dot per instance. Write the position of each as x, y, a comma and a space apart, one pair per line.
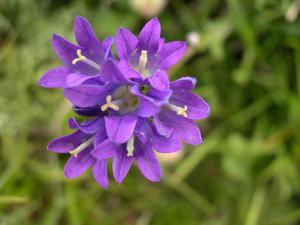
130, 107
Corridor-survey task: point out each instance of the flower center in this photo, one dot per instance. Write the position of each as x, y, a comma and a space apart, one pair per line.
81, 147
142, 66
121, 100
82, 58
179, 110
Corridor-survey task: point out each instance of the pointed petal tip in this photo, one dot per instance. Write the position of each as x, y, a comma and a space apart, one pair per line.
56, 37
122, 29
69, 175
56, 40
41, 82
50, 147
104, 187
155, 180
118, 180
80, 20
154, 20
208, 111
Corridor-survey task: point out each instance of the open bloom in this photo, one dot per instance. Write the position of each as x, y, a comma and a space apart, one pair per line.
82, 61
79, 145
178, 114
148, 56
140, 148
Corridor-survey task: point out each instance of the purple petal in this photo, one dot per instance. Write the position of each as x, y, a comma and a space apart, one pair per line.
107, 45
159, 80
91, 126
186, 129
159, 96
100, 173
86, 95
67, 143
104, 150
64, 49
197, 107
147, 106
186, 83
120, 128
86, 38
161, 44
161, 127
77, 165
67, 51
55, 78
148, 163
72, 123
127, 70
100, 136
140, 130
166, 144
125, 43
149, 37
76, 79
171, 53
111, 73
121, 164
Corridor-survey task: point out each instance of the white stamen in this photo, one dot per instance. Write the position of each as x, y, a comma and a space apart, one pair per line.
143, 61
179, 110
130, 146
81, 147
109, 104
82, 58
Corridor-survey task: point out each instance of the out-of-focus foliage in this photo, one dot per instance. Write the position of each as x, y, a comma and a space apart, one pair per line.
246, 171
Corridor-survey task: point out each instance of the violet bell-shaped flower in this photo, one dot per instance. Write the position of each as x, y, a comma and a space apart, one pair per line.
81, 62
79, 145
148, 56
177, 116
140, 148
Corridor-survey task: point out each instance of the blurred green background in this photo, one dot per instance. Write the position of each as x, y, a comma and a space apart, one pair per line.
246, 57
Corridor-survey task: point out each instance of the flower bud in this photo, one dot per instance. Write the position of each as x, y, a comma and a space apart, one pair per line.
149, 8
293, 11
193, 38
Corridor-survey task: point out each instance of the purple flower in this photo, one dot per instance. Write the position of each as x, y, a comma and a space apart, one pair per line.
81, 62
148, 56
178, 114
80, 144
140, 147
135, 109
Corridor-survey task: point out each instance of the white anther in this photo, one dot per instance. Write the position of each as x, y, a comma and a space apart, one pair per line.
130, 146
182, 111
179, 110
143, 61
